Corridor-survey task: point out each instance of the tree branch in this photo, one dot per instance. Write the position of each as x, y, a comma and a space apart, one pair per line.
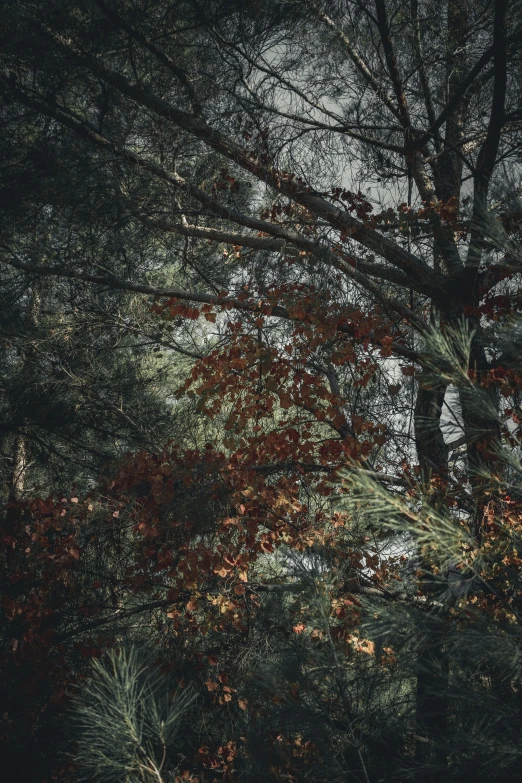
277, 311
462, 89
196, 126
160, 55
391, 62
488, 151
359, 63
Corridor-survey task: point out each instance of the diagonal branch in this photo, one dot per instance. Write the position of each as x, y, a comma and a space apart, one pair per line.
359, 63
387, 273
217, 235
224, 301
391, 62
160, 55
344, 129
356, 269
421, 277
489, 149
426, 92
197, 127
463, 88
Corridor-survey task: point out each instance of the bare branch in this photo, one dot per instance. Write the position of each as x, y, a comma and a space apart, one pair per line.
488, 152
359, 63
391, 62
224, 301
156, 51
337, 218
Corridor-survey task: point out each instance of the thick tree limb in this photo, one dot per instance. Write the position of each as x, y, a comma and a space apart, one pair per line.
339, 261
420, 277
196, 126
173, 293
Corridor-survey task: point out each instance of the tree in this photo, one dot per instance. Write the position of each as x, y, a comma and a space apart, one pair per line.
363, 251
71, 399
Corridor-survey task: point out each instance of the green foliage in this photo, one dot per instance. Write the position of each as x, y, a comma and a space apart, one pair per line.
192, 227
128, 720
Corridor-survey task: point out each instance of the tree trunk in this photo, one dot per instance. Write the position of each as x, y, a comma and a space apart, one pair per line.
480, 404
432, 703
431, 709
17, 481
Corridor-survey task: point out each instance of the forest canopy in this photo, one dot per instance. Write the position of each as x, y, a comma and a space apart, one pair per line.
260, 391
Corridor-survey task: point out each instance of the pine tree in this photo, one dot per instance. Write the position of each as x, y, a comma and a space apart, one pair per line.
331, 183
